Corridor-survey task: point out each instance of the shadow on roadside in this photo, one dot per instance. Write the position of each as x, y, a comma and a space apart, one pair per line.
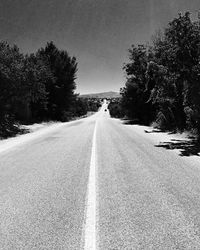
131, 122
154, 131
187, 147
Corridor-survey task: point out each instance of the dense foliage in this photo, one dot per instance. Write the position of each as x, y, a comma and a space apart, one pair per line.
37, 87
115, 108
93, 104
163, 80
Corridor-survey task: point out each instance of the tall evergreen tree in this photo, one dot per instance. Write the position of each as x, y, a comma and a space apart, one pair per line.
61, 89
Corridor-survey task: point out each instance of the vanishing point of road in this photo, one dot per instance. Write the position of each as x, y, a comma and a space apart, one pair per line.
96, 183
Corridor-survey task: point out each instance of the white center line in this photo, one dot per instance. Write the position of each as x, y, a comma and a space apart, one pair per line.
90, 218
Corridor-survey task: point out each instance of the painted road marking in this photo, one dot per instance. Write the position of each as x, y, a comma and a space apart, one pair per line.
90, 218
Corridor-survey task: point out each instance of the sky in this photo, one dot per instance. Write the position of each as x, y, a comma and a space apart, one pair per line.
97, 32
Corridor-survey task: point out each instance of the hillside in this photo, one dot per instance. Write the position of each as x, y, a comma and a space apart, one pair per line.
103, 95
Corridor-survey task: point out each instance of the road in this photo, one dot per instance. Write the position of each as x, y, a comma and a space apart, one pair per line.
97, 183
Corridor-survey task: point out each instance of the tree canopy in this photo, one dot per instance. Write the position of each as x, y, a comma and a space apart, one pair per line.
163, 79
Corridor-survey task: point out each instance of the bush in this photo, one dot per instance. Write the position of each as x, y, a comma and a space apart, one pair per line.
115, 110
8, 127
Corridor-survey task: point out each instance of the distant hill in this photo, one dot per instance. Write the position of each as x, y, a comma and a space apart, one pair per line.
103, 95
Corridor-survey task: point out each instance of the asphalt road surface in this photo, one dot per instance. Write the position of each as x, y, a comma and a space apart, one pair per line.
97, 183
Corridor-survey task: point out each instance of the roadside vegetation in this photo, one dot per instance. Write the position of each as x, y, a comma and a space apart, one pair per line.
37, 87
163, 79
92, 104
115, 108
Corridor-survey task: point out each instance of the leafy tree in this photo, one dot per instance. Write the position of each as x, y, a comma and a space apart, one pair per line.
115, 109
36, 77
11, 64
36, 87
163, 79
11, 80
178, 52
80, 107
134, 95
61, 89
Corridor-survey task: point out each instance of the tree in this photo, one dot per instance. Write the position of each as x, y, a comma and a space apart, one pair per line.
134, 95
61, 89
36, 77
163, 78
178, 52
11, 64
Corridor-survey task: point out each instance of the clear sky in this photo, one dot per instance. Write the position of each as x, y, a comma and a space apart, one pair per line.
97, 32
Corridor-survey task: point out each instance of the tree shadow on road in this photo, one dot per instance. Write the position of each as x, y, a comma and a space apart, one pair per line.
126, 121
130, 122
187, 147
154, 131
